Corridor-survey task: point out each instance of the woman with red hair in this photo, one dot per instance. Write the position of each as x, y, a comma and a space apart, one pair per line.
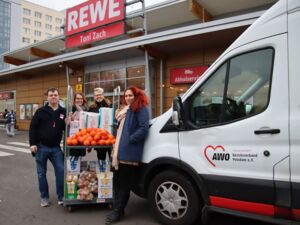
127, 152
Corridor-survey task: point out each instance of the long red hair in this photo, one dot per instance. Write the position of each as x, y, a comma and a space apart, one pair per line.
140, 99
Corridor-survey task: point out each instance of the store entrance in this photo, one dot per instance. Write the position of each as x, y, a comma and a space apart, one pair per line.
110, 79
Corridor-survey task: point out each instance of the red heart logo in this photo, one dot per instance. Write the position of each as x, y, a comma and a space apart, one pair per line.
214, 149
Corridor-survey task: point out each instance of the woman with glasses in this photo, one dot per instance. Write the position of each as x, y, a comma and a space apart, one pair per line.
79, 104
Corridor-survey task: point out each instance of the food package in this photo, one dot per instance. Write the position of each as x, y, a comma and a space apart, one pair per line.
82, 119
87, 185
92, 120
71, 186
106, 119
73, 164
74, 127
105, 185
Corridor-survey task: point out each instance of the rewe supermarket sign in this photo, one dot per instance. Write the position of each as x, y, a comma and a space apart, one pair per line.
93, 13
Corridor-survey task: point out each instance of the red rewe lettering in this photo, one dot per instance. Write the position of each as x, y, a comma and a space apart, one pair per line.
93, 13
212, 148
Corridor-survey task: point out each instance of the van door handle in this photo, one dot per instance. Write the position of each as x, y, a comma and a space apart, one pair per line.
267, 131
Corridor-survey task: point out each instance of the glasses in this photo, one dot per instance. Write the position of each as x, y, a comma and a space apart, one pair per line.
79, 98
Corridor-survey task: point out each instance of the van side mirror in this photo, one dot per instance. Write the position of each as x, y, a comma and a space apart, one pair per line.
177, 115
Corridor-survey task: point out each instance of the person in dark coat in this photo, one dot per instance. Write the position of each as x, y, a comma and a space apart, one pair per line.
100, 101
128, 150
10, 123
45, 134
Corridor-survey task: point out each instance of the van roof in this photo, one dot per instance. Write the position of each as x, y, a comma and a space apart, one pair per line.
272, 22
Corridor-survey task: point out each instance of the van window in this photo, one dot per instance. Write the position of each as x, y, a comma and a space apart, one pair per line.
238, 89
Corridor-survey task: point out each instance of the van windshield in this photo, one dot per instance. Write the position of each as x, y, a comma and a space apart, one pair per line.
237, 89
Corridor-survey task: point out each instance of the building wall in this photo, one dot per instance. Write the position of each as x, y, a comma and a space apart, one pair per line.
196, 58
28, 35
9, 27
31, 89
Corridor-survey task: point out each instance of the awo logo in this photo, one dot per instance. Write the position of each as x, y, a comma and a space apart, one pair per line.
215, 153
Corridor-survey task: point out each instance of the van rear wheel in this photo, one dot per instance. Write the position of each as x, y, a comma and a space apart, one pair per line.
173, 199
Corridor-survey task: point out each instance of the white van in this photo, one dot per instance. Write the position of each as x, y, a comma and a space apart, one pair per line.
231, 144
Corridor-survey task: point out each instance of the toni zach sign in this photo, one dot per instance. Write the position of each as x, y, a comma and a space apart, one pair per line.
92, 15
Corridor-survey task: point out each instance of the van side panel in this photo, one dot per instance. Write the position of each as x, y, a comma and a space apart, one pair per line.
294, 83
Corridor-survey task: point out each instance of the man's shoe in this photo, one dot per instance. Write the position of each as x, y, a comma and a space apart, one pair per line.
61, 202
45, 202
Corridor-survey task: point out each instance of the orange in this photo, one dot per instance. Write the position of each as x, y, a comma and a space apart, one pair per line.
74, 142
69, 141
101, 142
97, 137
81, 140
86, 143
83, 132
93, 133
110, 136
104, 137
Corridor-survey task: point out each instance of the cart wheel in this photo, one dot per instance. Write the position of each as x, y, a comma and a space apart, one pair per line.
70, 208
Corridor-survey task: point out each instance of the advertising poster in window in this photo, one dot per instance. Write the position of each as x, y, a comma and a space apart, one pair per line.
22, 112
34, 108
28, 111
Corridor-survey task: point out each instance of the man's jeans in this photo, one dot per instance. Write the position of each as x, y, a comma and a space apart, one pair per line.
10, 129
55, 155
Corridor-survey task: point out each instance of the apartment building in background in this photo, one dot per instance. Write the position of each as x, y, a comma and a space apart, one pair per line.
39, 23
10, 12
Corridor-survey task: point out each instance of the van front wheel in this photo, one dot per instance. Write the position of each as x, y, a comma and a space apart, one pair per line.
173, 199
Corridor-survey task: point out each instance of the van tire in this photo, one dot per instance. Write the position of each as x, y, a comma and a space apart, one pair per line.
177, 191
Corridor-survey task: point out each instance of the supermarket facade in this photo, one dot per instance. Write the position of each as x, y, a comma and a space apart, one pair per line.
182, 39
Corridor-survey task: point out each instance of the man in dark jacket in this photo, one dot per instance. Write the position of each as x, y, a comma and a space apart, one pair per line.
45, 134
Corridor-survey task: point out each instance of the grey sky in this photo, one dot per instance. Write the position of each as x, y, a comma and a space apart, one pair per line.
63, 4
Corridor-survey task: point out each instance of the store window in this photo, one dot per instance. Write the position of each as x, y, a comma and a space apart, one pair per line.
136, 77
110, 79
